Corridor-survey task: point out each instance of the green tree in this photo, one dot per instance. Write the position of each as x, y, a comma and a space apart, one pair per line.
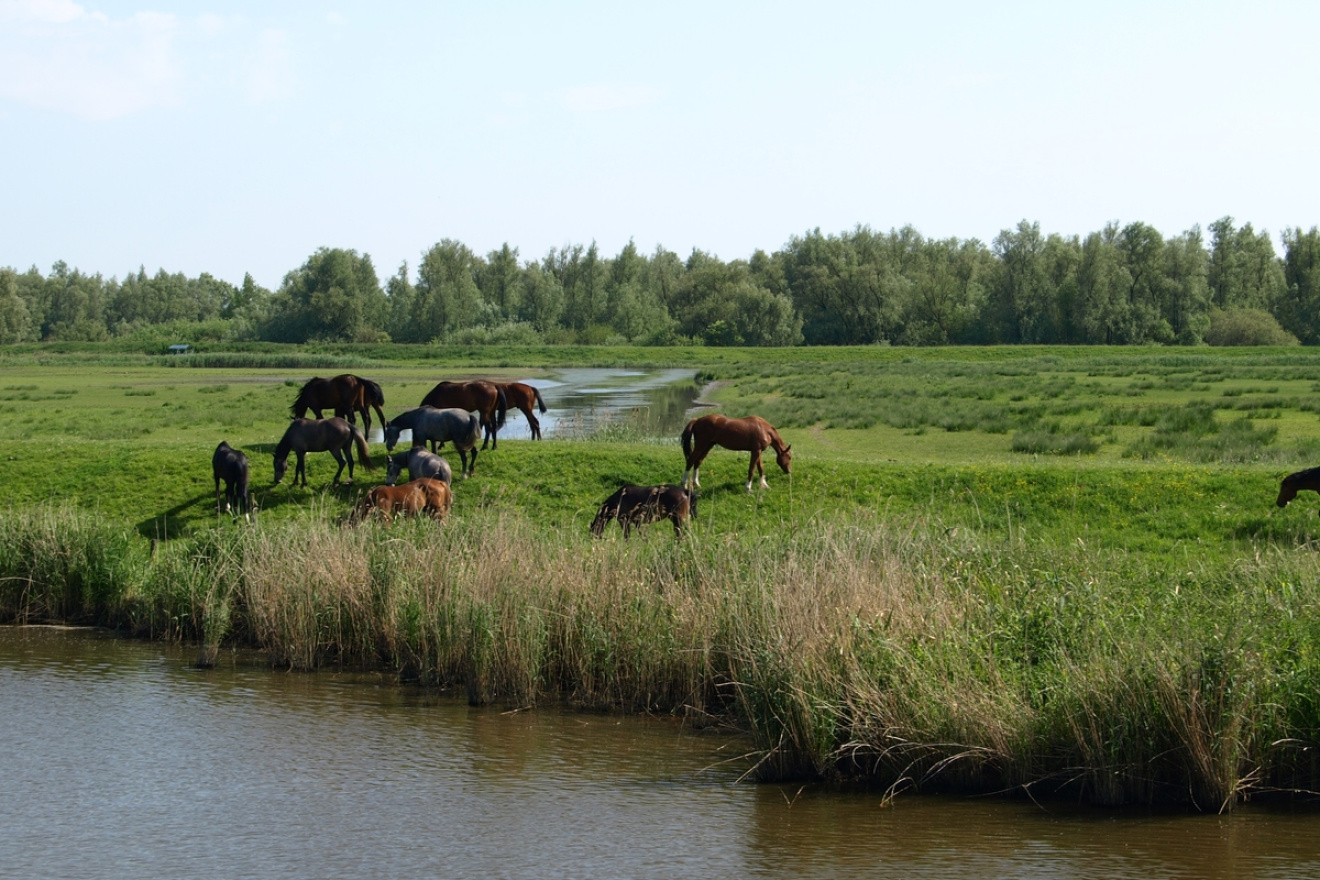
1243, 270
447, 297
16, 324
543, 298
335, 295
1299, 307
500, 282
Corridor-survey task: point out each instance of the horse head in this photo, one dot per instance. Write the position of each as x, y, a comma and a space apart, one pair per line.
281, 465
785, 458
391, 436
1287, 492
394, 467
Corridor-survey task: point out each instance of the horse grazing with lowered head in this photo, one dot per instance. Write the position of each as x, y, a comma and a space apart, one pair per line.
486, 399
230, 465
335, 436
524, 397
1294, 483
343, 395
419, 463
642, 505
421, 496
454, 425
751, 434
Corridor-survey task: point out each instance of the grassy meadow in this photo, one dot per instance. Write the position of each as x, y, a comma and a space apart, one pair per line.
991, 569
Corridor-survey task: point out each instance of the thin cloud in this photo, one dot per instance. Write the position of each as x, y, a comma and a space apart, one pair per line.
60, 57
607, 98
269, 70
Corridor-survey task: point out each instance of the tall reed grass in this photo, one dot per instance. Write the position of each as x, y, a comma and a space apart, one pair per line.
899, 653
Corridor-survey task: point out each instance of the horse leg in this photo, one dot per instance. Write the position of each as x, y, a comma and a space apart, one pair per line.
217, 495
536, 426
700, 449
300, 469
754, 467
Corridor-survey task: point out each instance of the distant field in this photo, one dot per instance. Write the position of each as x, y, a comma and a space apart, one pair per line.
1141, 446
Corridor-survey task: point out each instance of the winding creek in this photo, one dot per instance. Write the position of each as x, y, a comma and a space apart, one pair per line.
120, 759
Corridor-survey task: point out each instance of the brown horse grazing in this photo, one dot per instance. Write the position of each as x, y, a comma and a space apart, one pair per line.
752, 434
1294, 483
642, 505
524, 397
343, 395
486, 399
431, 497
230, 465
335, 436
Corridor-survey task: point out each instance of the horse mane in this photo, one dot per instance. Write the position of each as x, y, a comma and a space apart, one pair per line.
285, 445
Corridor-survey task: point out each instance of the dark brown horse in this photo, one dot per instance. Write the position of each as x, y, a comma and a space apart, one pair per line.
752, 434
1294, 483
642, 505
486, 399
230, 465
524, 397
335, 436
431, 497
343, 395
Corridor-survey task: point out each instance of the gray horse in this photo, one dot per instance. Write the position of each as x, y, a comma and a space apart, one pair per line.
419, 463
458, 426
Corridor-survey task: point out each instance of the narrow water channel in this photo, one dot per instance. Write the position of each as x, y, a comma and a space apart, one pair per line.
118, 759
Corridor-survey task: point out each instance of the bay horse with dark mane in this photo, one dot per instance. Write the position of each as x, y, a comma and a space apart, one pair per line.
484, 398
343, 395
751, 434
230, 465
524, 397
1298, 482
335, 436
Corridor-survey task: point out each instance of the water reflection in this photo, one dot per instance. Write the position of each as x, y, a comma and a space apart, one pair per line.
119, 757
581, 401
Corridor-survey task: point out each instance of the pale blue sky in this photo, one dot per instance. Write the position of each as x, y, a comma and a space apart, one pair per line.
242, 136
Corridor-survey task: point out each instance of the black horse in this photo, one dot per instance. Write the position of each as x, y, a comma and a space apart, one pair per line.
640, 505
230, 465
1294, 483
335, 436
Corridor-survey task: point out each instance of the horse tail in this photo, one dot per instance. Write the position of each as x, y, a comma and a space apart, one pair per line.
361, 440
377, 395
539, 401
501, 406
687, 441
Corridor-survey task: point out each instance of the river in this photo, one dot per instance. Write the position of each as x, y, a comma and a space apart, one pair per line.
120, 759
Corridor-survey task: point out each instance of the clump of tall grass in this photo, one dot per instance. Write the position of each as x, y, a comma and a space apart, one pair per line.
900, 652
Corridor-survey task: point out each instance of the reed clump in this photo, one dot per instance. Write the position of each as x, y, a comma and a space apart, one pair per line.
902, 653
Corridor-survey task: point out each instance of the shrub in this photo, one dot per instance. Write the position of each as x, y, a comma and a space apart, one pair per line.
1246, 327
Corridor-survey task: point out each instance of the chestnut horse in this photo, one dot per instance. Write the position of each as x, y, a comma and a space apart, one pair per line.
642, 505
1294, 483
524, 397
486, 399
230, 465
752, 434
343, 395
431, 497
335, 436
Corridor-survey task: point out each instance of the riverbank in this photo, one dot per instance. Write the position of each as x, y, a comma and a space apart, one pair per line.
893, 653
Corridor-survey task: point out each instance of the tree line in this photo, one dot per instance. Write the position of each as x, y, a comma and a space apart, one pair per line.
1121, 285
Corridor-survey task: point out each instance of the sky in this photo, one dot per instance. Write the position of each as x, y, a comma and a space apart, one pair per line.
240, 137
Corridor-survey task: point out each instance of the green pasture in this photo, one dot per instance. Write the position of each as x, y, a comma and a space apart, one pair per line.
1139, 449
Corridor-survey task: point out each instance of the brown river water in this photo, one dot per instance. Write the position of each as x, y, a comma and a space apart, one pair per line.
120, 759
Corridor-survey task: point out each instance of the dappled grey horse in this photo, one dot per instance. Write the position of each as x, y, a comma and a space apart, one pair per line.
419, 463
439, 426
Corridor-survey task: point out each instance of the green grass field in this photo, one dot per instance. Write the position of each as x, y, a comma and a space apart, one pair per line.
1059, 569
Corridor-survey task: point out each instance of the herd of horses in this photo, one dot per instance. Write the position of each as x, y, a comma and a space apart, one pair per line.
463, 413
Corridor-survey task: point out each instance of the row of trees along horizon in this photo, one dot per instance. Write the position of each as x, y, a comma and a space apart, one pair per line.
1121, 285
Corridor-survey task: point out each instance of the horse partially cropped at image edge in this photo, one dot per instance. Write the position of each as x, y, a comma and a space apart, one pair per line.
1298, 482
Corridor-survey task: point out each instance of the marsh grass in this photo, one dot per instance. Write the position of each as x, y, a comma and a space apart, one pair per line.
903, 653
